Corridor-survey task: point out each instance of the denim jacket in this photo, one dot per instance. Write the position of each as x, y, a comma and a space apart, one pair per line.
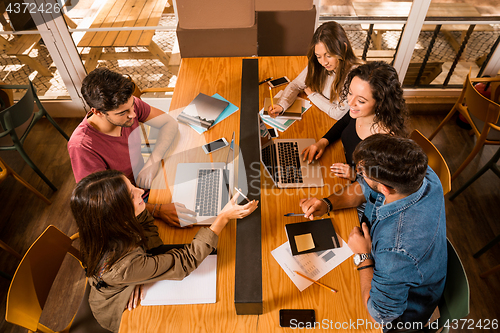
410, 253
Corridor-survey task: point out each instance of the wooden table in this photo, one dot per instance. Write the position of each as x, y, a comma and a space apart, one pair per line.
223, 76
126, 14
403, 9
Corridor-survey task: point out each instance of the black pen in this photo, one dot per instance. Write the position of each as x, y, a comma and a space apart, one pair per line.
268, 79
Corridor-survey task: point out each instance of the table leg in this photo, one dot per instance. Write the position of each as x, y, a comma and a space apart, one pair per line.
94, 55
377, 39
34, 64
159, 53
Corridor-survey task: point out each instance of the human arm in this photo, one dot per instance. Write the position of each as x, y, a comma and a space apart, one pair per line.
292, 90
334, 109
361, 242
168, 129
343, 170
172, 213
348, 197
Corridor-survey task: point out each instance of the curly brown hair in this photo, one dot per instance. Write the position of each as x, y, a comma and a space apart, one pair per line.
391, 112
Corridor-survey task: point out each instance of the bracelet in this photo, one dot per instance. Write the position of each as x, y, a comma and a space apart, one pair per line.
360, 268
154, 208
328, 204
159, 208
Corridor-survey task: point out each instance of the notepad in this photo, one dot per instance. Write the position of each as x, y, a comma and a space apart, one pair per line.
311, 236
197, 288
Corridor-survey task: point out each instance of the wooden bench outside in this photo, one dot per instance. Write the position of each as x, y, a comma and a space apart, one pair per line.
20, 48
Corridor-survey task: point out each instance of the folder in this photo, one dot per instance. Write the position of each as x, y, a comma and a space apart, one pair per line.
311, 236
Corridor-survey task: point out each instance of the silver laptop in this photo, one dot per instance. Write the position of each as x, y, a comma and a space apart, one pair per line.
283, 163
205, 187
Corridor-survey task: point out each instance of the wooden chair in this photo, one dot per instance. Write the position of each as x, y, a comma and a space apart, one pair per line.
33, 279
481, 113
17, 121
5, 170
436, 160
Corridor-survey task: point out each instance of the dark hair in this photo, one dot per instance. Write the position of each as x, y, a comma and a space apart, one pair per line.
106, 90
104, 212
333, 36
394, 161
391, 111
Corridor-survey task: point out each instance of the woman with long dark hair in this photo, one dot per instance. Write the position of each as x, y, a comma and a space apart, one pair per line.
120, 246
376, 105
329, 60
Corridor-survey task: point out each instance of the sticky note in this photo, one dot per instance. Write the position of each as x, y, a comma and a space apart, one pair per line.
304, 242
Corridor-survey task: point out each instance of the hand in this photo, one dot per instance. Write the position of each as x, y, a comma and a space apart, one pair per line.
135, 297
313, 207
171, 213
232, 211
276, 111
314, 151
360, 242
308, 91
147, 173
343, 170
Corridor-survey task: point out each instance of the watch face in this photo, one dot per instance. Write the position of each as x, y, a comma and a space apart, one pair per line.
357, 259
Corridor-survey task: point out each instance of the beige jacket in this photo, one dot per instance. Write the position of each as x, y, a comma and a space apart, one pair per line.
138, 267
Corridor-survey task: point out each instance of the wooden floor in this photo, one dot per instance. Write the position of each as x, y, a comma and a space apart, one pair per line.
472, 218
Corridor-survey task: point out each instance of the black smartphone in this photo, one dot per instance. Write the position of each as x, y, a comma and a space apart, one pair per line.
296, 318
215, 145
278, 82
273, 132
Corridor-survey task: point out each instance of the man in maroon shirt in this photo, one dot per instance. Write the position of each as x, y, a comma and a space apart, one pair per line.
108, 137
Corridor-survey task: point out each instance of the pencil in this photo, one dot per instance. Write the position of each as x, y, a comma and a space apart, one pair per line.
241, 193
271, 94
164, 172
318, 283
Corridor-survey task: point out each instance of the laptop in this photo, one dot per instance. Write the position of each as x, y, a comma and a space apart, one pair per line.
282, 161
205, 188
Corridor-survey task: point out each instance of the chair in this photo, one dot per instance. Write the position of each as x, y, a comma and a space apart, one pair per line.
454, 303
436, 160
5, 170
33, 279
481, 113
15, 122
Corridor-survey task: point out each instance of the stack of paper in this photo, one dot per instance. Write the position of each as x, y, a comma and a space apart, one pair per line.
229, 110
197, 288
314, 265
281, 123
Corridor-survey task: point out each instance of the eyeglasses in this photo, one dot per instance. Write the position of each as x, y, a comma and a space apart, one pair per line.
362, 174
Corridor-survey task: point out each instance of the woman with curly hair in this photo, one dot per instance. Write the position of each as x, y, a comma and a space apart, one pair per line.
376, 105
329, 60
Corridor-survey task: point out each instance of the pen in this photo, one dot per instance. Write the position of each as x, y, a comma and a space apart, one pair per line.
271, 94
266, 80
318, 283
244, 196
293, 214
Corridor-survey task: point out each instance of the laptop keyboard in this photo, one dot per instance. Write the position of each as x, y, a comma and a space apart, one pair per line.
289, 159
207, 193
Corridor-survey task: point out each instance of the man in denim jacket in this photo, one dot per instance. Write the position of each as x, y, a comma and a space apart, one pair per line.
402, 257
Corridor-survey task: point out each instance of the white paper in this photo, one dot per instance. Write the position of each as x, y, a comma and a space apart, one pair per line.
314, 265
197, 288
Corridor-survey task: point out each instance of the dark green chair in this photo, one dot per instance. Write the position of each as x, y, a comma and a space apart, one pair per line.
455, 301
17, 121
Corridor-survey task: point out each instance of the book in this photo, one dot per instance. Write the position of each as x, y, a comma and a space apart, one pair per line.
203, 111
293, 112
229, 110
199, 287
311, 236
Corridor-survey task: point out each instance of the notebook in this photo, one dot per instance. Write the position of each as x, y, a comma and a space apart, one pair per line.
282, 161
293, 112
199, 287
205, 187
311, 236
202, 111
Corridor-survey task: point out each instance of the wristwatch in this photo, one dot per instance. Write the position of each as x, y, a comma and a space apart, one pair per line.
360, 257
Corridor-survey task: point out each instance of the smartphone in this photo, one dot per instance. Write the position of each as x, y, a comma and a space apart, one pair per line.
273, 132
278, 82
297, 318
215, 145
